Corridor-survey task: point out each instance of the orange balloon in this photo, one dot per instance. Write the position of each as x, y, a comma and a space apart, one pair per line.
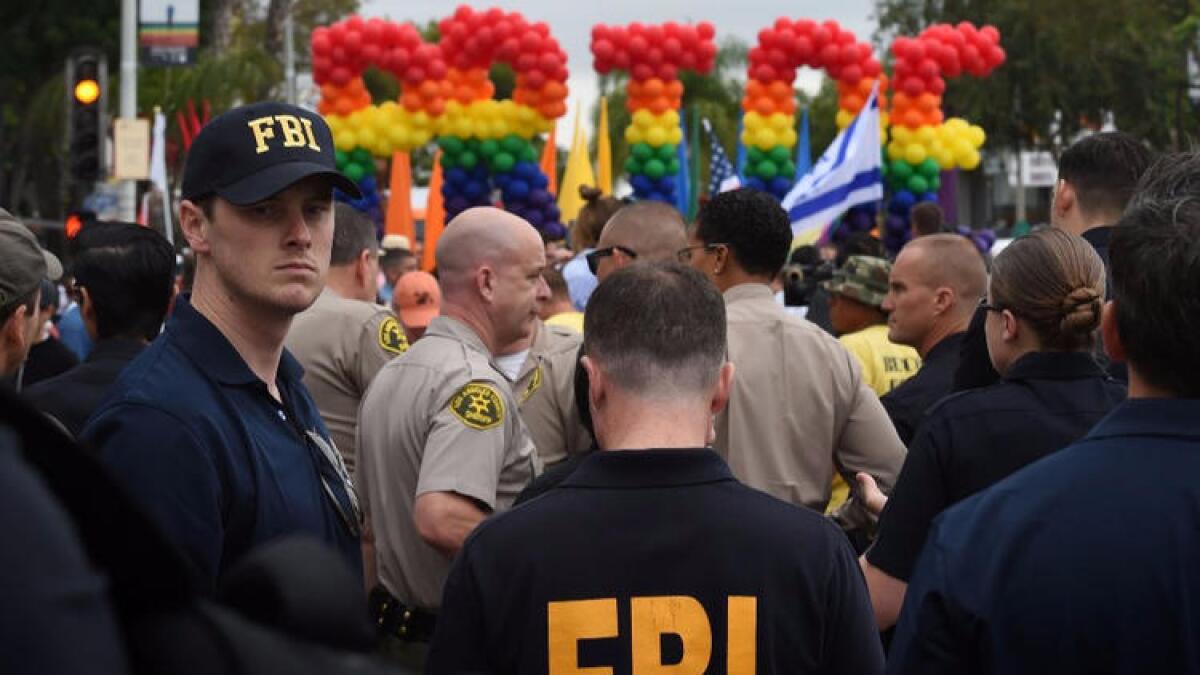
554, 89
912, 118
428, 89
779, 90
851, 102
787, 107
343, 105
412, 101
435, 107
764, 105
675, 88
653, 87
928, 101
659, 105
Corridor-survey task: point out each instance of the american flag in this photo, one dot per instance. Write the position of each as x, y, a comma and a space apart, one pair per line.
721, 174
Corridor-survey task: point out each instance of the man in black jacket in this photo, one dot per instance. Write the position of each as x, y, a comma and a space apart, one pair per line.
660, 556
124, 277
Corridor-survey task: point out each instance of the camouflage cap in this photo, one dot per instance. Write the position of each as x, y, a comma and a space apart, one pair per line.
862, 278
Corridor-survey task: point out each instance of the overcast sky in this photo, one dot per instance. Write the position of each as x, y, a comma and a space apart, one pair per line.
571, 23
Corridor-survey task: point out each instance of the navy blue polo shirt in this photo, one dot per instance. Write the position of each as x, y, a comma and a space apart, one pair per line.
200, 442
662, 553
1084, 562
907, 404
972, 439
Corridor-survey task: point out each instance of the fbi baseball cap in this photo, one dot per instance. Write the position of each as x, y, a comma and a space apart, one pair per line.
256, 151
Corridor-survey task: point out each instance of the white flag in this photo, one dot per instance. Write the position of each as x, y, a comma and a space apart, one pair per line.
848, 174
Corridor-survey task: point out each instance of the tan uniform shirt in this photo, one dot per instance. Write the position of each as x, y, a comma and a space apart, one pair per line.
799, 408
545, 386
342, 344
441, 418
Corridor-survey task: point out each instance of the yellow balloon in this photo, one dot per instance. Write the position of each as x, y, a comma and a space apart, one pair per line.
765, 138
971, 161
926, 135
901, 134
657, 136
669, 118
976, 136
895, 150
945, 158
788, 137
344, 140
915, 153
747, 137
676, 135
779, 121
643, 118
633, 135
844, 118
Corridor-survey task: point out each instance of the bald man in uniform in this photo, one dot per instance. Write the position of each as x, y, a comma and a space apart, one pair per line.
441, 444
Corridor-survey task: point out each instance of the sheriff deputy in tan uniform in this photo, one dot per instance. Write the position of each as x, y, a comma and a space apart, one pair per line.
441, 444
544, 382
344, 338
799, 408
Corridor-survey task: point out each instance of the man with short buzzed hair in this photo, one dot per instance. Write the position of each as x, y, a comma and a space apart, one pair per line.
456, 449
344, 339
934, 287
644, 231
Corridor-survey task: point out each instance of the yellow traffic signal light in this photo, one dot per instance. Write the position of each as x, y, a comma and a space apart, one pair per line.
87, 91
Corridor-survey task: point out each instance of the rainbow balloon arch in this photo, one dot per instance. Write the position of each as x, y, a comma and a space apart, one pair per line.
487, 145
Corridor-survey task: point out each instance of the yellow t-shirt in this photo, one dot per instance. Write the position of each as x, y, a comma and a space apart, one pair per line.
572, 320
885, 366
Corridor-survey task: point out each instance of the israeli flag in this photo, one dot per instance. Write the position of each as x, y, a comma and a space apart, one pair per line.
848, 174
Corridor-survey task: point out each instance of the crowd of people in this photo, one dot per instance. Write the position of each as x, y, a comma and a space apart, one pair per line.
673, 447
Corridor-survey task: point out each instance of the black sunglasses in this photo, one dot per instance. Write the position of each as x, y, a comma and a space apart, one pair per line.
593, 258
983, 304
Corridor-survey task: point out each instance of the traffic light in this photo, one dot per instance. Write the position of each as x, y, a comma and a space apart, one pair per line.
87, 77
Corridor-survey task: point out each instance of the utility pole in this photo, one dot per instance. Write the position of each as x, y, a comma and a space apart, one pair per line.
128, 189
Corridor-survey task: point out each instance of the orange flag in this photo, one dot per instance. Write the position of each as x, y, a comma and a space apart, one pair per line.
435, 215
399, 213
549, 163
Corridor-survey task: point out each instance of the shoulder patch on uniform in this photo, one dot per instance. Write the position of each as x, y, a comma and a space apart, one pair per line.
479, 405
534, 383
391, 336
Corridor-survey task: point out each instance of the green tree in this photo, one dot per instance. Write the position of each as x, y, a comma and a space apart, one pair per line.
1070, 66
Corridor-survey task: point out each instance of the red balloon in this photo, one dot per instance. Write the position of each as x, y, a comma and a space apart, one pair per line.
804, 26
508, 50
778, 59
355, 23
621, 60
689, 37
531, 41
766, 38
398, 58
992, 34
637, 28
494, 14
339, 54
707, 51
995, 55
913, 86
641, 72
829, 55
548, 61
937, 85
654, 34
901, 47
705, 30
560, 73
688, 61
765, 73
321, 44
654, 56
542, 28
371, 53
757, 55
849, 54
783, 23
671, 29
603, 49
851, 74
667, 72
672, 48
821, 37
803, 49
864, 52
462, 60
871, 68
534, 79
526, 61
638, 47
353, 42
414, 74
845, 37
928, 68
373, 31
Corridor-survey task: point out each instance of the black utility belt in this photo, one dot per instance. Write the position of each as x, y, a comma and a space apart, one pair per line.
395, 619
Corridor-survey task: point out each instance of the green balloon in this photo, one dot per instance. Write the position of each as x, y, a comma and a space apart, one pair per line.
503, 162
754, 156
935, 183
633, 166
341, 158
667, 152
354, 172
468, 159
918, 184
361, 156
489, 148
528, 154
641, 151
655, 168
898, 183
451, 145
779, 154
787, 168
901, 169
767, 169
512, 144
449, 161
929, 168
672, 166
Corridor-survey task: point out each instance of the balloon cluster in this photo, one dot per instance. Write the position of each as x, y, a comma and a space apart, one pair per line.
983, 239
923, 143
653, 55
769, 102
446, 94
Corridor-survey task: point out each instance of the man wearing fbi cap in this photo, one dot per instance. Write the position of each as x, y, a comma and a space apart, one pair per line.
856, 294
23, 265
211, 427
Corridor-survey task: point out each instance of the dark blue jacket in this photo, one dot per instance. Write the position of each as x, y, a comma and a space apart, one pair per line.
197, 438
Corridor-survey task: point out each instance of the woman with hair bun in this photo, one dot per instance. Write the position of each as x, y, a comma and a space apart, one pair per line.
1043, 304
585, 231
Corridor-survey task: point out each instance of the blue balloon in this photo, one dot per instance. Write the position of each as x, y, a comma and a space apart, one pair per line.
657, 196
456, 176
474, 189
526, 170
456, 205
641, 183
553, 213
779, 186
539, 181
539, 196
535, 217
756, 183
665, 184
480, 172
367, 184
450, 190
902, 201
518, 189
929, 197
554, 229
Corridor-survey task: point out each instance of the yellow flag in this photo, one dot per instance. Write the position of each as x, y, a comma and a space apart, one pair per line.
578, 172
603, 151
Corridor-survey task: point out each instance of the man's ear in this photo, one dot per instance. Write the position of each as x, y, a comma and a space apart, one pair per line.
1064, 197
723, 389
194, 225
1110, 334
14, 333
362, 269
485, 282
943, 299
